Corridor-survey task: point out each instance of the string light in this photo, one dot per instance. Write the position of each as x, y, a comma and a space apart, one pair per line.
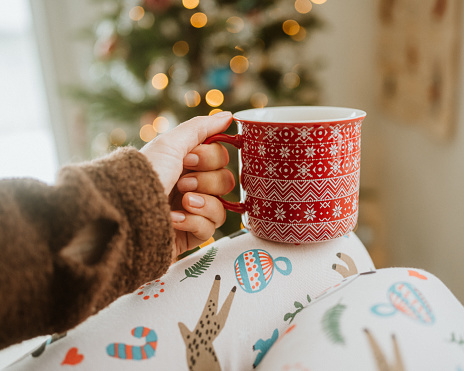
259, 100
318, 1
214, 111
190, 4
161, 124
214, 97
291, 27
235, 24
136, 13
303, 6
198, 20
160, 81
291, 80
180, 48
147, 21
118, 137
147, 133
147, 118
192, 98
300, 36
239, 64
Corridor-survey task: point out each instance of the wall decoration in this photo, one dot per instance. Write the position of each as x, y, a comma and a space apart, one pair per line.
418, 53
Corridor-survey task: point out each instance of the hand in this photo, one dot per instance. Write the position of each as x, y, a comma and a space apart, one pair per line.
198, 170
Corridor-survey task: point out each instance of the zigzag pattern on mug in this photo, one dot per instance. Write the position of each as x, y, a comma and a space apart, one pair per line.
301, 190
301, 233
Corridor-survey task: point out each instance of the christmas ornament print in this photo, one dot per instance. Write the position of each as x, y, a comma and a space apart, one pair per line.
151, 289
134, 352
407, 299
254, 269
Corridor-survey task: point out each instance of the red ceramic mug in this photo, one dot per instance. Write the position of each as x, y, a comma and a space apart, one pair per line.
299, 171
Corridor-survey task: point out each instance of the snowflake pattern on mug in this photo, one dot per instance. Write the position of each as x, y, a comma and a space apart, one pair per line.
304, 175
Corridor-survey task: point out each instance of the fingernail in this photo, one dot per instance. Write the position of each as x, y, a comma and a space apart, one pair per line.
187, 184
222, 114
191, 159
196, 201
177, 217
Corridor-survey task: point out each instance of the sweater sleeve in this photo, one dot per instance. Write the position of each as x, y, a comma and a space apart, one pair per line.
69, 250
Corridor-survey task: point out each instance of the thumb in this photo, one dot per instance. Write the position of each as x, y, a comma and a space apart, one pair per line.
167, 151
193, 132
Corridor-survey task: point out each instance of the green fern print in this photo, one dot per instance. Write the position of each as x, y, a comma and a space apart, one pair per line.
299, 307
202, 265
331, 323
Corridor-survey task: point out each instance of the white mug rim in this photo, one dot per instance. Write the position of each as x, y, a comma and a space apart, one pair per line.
249, 115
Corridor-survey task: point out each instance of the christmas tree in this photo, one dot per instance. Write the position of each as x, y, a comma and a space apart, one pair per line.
160, 62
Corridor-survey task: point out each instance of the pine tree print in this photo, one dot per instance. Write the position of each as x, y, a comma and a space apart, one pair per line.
331, 323
202, 265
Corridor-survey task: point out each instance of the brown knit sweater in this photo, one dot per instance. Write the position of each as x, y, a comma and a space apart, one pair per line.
69, 250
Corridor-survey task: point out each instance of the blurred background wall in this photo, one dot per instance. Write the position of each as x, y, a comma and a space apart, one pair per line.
418, 178
413, 209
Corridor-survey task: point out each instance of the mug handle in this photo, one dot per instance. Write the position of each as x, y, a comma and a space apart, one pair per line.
236, 141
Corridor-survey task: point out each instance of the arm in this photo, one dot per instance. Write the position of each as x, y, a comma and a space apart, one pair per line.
67, 251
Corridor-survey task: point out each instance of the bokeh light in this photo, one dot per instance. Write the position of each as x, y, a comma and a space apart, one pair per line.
192, 98
198, 20
136, 13
239, 64
214, 111
147, 133
160, 81
318, 1
147, 21
214, 97
303, 6
291, 27
235, 24
190, 4
300, 36
118, 137
259, 100
161, 124
180, 48
291, 80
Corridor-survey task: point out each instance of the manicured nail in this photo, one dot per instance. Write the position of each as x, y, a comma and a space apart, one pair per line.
191, 159
196, 201
222, 114
187, 184
177, 217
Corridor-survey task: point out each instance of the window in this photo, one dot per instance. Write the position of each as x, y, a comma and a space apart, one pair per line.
27, 145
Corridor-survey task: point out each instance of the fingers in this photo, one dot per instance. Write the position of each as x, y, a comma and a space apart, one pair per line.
207, 157
206, 206
186, 136
201, 216
218, 182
